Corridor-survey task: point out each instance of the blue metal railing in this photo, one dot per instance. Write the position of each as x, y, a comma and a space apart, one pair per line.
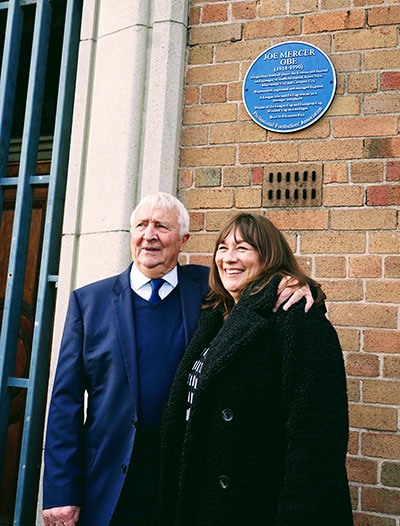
36, 384
23, 211
8, 83
35, 402
22, 214
5, 5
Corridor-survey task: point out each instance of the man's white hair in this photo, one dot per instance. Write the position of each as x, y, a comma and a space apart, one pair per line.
165, 201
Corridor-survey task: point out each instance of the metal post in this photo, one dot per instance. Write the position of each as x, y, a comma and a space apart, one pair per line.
8, 82
37, 386
22, 214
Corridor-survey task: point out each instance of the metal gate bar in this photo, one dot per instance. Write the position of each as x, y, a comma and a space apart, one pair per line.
8, 82
37, 387
22, 214
36, 384
5, 5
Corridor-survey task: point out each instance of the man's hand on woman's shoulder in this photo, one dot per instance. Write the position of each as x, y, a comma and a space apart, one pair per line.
293, 293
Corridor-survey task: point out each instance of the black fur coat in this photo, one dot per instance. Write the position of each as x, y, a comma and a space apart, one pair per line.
266, 440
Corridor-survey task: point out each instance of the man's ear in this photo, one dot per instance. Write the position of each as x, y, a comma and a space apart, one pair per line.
184, 240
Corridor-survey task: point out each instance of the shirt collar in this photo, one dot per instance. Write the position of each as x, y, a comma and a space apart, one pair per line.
138, 279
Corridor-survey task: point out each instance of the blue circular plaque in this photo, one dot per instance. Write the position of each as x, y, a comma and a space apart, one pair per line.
289, 86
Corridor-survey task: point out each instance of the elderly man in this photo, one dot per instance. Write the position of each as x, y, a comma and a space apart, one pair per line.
123, 339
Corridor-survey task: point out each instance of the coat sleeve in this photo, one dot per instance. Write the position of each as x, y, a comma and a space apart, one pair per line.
314, 487
63, 448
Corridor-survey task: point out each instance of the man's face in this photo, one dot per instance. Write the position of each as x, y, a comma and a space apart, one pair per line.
156, 240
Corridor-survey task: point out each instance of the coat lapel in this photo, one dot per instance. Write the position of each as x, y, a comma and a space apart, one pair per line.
124, 321
250, 321
190, 292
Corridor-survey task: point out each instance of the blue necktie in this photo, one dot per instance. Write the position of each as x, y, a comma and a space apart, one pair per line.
155, 287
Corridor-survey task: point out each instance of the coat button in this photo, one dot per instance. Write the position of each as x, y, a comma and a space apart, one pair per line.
134, 423
227, 415
123, 468
224, 481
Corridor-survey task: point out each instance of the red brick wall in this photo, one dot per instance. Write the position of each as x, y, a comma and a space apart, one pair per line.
351, 243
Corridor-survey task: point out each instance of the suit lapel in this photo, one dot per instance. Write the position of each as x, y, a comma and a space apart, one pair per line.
190, 293
124, 320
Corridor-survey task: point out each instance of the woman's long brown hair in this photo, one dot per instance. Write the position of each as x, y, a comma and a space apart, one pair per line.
275, 255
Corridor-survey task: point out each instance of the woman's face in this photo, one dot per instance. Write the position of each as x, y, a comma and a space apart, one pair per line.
237, 262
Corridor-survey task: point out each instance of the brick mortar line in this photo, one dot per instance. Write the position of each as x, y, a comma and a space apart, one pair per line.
367, 430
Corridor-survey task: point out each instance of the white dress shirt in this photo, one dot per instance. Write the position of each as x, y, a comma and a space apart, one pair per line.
141, 283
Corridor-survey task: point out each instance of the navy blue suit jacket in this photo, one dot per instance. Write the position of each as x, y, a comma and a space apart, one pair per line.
85, 456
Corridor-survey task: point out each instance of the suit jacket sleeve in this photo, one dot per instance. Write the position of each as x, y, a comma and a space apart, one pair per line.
63, 449
315, 421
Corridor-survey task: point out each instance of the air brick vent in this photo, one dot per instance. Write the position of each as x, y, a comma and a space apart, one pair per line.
292, 185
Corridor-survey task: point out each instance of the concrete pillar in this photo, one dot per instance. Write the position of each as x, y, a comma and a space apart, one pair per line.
164, 98
125, 137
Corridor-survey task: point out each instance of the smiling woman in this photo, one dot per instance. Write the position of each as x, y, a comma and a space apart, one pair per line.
237, 262
248, 248
245, 438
